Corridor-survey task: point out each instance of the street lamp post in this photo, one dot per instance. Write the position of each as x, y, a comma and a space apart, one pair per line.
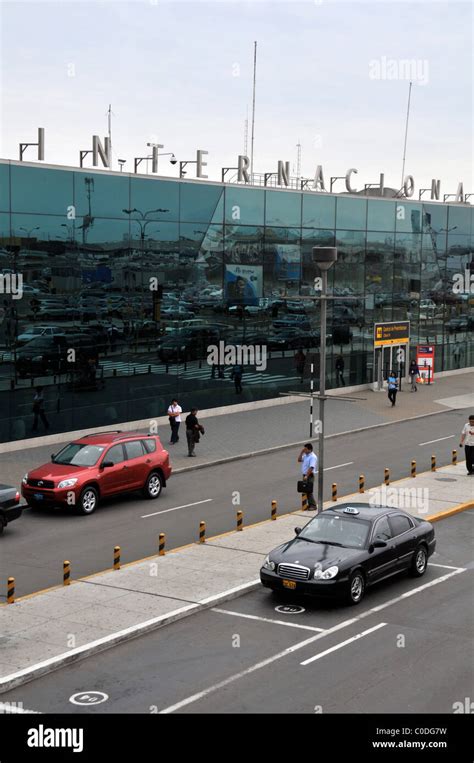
324, 257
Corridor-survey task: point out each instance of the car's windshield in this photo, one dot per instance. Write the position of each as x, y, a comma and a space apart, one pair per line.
77, 454
334, 529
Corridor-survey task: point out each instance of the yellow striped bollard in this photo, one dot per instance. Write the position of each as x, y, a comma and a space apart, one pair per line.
202, 532
66, 573
386, 476
454, 457
240, 520
433, 463
413, 468
161, 544
361, 483
116, 557
11, 591
274, 510
334, 491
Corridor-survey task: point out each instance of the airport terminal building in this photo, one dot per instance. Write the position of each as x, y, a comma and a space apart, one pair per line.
127, 280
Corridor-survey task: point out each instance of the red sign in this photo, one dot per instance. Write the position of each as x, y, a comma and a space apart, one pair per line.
425, 361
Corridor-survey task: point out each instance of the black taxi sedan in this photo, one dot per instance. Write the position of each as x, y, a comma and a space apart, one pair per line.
344, 550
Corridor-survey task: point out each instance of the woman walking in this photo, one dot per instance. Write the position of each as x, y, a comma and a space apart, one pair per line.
194, 430
413, 372
174, 415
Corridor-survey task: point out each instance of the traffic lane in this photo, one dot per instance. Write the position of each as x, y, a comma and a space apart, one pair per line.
190, 656
160, 669
34, 547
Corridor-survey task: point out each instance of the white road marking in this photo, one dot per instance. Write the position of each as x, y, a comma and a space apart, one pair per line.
206, 500
428, 442
11, 707
343, 643
267, 620
446, 566
328, 468
300, 645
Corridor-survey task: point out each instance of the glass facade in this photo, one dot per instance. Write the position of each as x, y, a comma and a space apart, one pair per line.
128, 282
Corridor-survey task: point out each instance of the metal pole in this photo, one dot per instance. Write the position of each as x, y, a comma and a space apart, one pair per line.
253, 108
322, 387
311, 403
406, 135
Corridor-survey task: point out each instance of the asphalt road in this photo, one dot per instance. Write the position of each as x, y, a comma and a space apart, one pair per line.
34, 547
407, 648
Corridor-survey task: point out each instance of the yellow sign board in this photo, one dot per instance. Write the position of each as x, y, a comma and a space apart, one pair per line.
391, 333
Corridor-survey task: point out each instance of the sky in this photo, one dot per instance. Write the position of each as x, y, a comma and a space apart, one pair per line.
332, 75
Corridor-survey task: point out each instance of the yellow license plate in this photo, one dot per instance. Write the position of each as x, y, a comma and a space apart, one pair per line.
289, 584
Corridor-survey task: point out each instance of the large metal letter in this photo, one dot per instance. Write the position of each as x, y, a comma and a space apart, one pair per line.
283, 173
98, 150
409, 185
154, 156
318, 184
242, 166
460, 193
435, 189
200, 164
348, 180
41, 143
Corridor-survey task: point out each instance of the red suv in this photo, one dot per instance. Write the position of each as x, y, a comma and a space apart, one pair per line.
97, 466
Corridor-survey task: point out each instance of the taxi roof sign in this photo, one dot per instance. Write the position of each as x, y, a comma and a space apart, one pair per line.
351, 510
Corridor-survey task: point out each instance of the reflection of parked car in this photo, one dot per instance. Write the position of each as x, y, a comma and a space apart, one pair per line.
187, 344
462, 323
35, 331
50, 354
292, 321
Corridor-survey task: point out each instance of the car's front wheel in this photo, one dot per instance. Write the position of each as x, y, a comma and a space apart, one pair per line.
356, 588
88, 500
153, 485
420, 562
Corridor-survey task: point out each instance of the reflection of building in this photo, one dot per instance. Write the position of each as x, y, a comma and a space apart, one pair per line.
97, 268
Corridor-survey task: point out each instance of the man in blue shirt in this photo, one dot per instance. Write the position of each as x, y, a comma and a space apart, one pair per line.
309, 467
392, 384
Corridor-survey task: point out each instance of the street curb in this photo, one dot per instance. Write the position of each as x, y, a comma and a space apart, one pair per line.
297, 444
449, 512
128, 634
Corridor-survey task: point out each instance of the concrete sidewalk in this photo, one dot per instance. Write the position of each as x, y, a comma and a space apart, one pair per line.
44, 631
239, 430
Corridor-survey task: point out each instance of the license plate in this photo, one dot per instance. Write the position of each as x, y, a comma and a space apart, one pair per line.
289, 584
38, 496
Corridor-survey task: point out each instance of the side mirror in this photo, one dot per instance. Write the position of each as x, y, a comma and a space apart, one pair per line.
297, 530
52, 456
379, 544
106, 464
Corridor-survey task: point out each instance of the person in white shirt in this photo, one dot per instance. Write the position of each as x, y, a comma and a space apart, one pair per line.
309, 467
174, 413
467, 439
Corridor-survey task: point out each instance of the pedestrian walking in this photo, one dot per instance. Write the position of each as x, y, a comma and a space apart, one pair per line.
194, 430
300, 362
174, 415
339, 366
309, 466
38, 410
236, 375
414, 373
467, 439
392, 382
458, 351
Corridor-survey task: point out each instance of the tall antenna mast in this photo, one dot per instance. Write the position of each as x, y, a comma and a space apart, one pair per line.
246, 132
253, 107
406, 135
298, 160
109, 124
